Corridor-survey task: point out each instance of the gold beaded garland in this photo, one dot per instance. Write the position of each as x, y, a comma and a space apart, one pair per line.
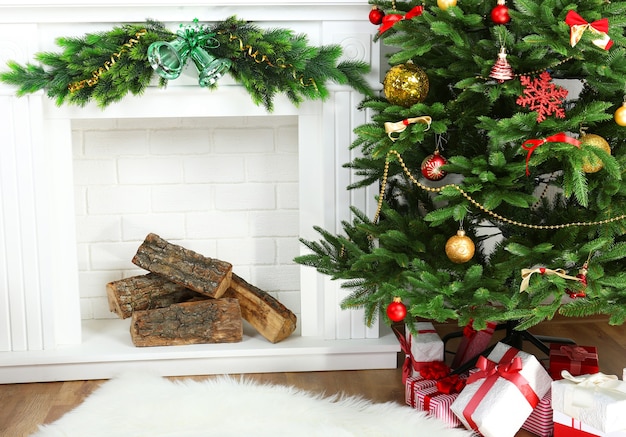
478, 205
406, 85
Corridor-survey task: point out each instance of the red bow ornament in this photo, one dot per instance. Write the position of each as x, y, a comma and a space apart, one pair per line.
599, 28
391, 19
531, 145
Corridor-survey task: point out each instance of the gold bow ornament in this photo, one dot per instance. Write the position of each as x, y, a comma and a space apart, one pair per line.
527, 273
399, 126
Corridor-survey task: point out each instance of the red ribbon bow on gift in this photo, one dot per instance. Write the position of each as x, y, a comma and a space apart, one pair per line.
469, 331
450, 384
531, 145
391, 19
576, 353
578, 25
435, 370
489, 368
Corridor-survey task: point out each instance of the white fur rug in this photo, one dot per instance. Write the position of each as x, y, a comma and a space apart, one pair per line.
135, 405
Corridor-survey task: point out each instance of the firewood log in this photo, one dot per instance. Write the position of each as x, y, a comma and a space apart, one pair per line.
267, 315
205, 321
185, 267
146, 292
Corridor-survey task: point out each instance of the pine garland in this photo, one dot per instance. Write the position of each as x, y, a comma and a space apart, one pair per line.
104, 67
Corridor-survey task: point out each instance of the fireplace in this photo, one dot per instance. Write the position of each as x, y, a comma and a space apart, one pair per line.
44, 335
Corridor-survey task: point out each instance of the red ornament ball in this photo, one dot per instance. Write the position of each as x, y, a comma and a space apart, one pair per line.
376, 16
396, 310
431, 166
500, 14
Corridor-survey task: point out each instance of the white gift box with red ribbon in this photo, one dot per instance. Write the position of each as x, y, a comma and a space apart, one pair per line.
499, 398
598, 400
565, 426
426, 346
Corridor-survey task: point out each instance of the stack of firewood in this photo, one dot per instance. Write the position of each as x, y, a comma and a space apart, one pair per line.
187, 298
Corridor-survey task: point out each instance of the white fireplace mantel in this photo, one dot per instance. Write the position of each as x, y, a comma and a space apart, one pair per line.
42, 336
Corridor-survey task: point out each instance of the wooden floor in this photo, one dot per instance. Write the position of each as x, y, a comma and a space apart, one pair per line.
24, 406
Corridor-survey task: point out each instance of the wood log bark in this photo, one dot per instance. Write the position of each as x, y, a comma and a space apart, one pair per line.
185, 267
265, 313
206, 321
146, 292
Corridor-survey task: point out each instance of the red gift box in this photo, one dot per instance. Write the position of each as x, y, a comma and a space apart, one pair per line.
540, 421
435, 392
435, 397
473, 343
577, 360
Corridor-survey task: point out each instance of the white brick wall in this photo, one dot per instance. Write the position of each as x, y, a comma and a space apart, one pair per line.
224, 187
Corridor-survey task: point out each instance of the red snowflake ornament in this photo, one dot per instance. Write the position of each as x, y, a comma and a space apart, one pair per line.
541, 95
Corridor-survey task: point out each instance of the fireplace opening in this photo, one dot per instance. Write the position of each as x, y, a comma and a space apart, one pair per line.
225, 187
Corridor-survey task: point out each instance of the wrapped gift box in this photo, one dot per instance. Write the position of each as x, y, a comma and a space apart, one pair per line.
426, 346
540, 421
499, 398
473, 343
566, 426
577, 360
597, 400
435, 397
412, 385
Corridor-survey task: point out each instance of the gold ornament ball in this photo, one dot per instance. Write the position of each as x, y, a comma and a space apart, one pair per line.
405, 85
594, 165
445, 4
460, 248
620, 115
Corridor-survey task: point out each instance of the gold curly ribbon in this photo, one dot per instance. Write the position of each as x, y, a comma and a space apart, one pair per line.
263, 59
95, 76
527, 273
472, 201
400, 126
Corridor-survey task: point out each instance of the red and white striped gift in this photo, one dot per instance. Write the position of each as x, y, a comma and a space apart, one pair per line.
437, 404
540, 420
435, 396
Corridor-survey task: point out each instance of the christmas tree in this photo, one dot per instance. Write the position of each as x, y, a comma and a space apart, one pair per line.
498, 144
